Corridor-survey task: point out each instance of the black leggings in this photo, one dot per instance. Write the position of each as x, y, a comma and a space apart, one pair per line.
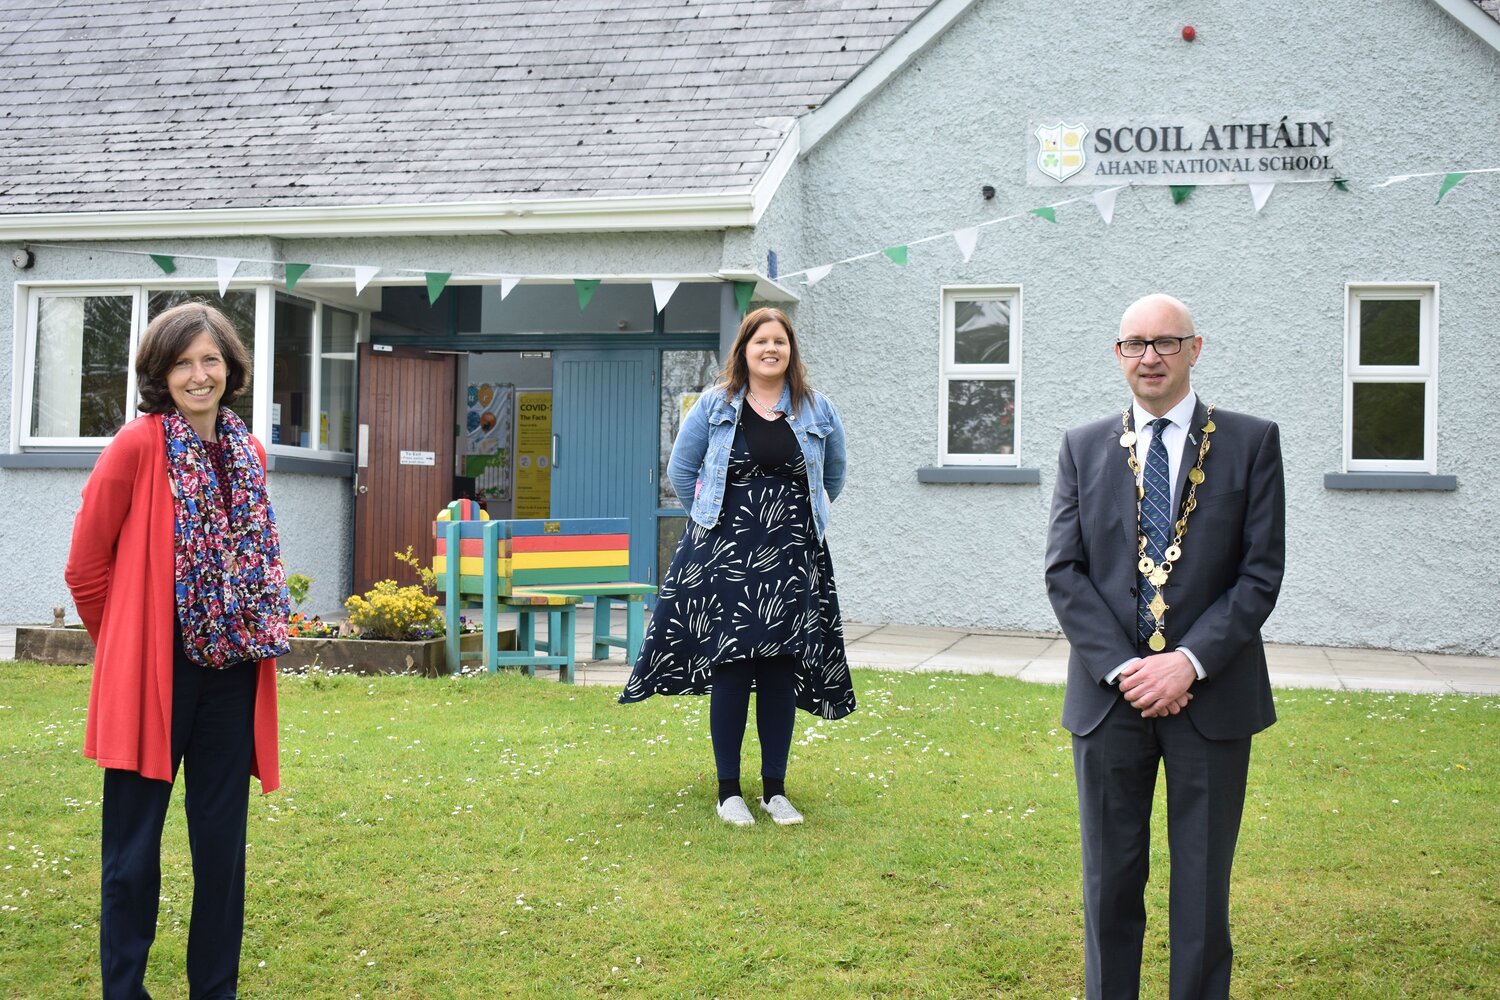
775, 712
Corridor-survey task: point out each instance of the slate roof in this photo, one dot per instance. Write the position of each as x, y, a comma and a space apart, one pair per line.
178, 104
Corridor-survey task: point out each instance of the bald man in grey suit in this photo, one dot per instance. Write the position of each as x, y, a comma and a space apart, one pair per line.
1164, 559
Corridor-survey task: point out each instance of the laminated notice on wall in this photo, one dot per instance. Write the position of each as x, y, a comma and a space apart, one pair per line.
489, 424
534, 453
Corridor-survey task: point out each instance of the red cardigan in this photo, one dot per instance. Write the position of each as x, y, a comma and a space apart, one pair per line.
120, 572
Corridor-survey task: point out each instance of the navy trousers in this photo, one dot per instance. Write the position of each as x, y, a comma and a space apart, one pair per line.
213, 738
1116, 767
775, 713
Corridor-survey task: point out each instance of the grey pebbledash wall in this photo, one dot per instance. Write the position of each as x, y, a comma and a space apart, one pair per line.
1410, 570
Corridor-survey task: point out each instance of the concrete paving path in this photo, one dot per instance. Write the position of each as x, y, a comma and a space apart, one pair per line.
1044, 659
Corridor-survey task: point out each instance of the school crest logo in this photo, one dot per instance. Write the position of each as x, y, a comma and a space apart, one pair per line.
1060, 153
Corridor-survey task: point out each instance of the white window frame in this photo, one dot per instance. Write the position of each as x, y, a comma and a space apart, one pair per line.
30, 307
28, 297
1424, 371
949, 371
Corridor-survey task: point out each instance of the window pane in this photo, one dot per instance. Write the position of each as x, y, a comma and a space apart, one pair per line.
981, 332
981, 417
237, 306
1390, 331
336, 420
668, 535
1389, 420
684, 376
82, 351
292, 419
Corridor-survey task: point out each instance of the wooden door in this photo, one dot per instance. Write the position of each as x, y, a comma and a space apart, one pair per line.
404, 461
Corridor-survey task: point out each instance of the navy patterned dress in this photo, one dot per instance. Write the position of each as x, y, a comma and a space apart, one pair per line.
757, 584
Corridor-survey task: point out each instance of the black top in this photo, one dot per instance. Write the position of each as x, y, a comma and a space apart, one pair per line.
772, 443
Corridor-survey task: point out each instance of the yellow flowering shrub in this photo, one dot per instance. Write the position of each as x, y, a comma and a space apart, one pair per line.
391, 612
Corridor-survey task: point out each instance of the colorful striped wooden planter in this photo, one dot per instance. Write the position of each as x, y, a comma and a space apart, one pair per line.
533, 567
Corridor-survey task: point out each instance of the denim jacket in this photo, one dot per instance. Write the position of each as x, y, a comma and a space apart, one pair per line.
700, 456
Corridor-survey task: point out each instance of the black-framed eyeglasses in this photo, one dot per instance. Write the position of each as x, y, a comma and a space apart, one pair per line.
1165, 346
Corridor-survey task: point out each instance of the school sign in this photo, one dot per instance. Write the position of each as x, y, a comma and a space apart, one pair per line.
1078, 150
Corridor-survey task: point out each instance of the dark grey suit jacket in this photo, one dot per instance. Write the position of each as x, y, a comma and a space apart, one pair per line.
1221, 591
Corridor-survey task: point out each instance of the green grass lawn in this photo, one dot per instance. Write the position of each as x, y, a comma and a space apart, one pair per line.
494, 836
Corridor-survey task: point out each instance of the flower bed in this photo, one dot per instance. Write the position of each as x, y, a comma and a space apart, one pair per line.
72, 646
366, 656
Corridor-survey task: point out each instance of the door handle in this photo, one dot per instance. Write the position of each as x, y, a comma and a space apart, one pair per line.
554, 451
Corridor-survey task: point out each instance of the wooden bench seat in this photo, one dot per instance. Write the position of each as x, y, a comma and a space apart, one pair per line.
535, 566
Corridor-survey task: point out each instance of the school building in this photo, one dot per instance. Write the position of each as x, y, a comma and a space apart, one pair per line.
497, 248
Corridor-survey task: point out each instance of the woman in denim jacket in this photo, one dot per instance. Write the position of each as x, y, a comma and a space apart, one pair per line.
749, 600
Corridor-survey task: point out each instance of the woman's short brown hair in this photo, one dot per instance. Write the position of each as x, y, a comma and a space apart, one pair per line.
736, 374
168, 337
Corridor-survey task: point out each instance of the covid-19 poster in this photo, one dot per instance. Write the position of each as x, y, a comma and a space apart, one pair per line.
534, 453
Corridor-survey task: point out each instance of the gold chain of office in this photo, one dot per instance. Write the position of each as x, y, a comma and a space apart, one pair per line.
1155, 572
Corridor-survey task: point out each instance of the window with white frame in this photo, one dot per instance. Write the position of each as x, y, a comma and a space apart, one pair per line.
979, 375
78, 380
1390, 385
78, 372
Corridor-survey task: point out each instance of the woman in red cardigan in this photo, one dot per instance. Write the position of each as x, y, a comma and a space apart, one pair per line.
175, 568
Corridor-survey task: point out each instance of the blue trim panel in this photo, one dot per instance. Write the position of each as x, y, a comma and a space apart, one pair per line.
50, 460
979, 474
1387, 481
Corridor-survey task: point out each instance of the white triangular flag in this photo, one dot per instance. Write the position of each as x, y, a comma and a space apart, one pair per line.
817, 274
508, 285
1393, 180
1259, 192
227, 267
363, 275
662, 291
1104, 201
967, 240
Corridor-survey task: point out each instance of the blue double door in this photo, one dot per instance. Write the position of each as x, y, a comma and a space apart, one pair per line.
606, 427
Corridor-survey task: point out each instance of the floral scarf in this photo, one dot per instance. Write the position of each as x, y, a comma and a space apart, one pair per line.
230, 587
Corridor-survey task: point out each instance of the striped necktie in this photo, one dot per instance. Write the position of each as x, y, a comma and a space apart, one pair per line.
1156, 518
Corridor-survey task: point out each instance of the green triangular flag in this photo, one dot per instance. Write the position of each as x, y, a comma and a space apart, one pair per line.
435, 282
586, 288
1450, 181
1342, 183
164, 262
1045, 212
294, 273
1180, 192
743, 290
896, 254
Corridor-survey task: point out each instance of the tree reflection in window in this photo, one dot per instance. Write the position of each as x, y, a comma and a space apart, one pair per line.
981, 416
981, 332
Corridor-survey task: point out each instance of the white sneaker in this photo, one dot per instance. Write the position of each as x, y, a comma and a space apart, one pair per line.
734, 810
781, 810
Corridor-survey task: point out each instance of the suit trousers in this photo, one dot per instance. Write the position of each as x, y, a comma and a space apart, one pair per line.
1116, 766
213, 739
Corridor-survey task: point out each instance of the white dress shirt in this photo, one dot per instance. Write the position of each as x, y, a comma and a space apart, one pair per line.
1174, 437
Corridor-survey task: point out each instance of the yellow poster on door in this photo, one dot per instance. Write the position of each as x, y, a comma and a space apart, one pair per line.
533, 453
